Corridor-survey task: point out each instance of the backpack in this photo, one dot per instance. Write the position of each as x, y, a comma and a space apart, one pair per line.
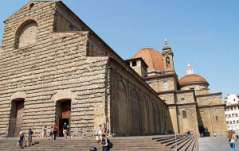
110, 144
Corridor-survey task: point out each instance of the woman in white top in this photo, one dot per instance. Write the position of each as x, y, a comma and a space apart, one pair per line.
232, 142
99, 133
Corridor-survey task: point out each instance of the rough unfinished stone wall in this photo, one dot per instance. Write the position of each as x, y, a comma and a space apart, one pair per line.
134, 108
53, 66
73, 66
43, 13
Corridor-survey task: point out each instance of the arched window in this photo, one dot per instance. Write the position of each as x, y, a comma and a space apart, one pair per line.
167, 60
26, 34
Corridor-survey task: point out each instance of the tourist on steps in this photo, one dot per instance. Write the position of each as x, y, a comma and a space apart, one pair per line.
44, 132
105, 130
30, 133
55, 129
99, 133
106, 143
232, 141
65, 130
21, 139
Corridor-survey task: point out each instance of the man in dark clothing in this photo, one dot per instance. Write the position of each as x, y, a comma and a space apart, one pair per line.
30, 132
21, 139
106, 144
55, 128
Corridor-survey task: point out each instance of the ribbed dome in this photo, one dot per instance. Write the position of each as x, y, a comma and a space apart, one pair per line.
152, 57
192, 79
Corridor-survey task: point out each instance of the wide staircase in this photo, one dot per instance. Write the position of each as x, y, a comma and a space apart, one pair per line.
187, 142
148, 143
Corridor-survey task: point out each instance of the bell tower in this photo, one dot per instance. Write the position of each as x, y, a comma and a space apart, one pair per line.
168, 57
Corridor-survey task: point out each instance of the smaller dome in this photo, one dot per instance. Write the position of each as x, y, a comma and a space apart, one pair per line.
152, 57
193, 79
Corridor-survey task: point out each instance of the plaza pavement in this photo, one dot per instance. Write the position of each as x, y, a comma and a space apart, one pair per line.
219, 143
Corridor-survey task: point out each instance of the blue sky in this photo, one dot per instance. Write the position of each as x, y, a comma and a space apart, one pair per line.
204, 33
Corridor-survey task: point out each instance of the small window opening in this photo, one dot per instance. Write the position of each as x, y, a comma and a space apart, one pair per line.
134, 63
184, 114
167, 60
31, 6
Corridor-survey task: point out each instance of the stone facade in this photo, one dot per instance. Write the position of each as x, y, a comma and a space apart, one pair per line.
59, 70
55, 69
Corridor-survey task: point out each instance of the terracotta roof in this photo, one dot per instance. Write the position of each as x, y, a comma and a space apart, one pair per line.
192, 79
152, 57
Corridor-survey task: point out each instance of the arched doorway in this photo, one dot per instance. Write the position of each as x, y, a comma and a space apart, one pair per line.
16, 117
63, 114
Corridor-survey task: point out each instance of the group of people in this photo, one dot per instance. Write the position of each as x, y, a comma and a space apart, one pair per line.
52, 133
54, 130
232, 138
22, 141
102, 134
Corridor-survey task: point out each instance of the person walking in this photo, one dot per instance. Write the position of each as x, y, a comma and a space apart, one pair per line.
51, 133
232, 141
106, 143
30, 133
68, 131
65, 127
99, 133
44, 132
55, 129
21, 139
105, 129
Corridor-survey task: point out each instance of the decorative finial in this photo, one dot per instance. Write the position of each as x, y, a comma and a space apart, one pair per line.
166, 44
189, 69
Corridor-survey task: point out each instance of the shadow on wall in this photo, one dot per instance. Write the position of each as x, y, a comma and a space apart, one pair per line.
203, 131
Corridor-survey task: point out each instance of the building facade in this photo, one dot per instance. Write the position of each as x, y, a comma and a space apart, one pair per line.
191, 105
55, 69
232, 112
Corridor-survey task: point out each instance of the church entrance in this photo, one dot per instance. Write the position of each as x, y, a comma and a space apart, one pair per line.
16, 117
63, 114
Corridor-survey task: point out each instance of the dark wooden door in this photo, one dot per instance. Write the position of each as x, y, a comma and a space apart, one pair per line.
19, 117
16, 118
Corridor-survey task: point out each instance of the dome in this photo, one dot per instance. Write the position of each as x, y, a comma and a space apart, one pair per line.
152, 57
193, 79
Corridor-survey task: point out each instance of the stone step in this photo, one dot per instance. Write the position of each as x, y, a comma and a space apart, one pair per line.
184, 143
